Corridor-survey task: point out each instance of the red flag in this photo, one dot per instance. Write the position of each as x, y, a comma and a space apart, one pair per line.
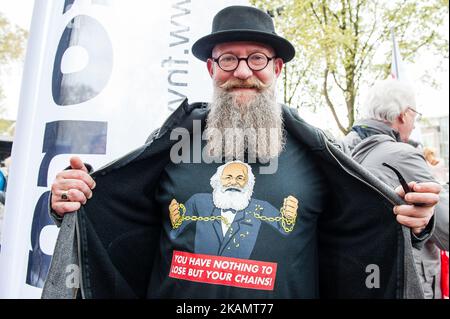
444, 274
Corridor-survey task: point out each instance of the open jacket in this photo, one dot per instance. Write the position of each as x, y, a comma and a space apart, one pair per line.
114, 238
379, 143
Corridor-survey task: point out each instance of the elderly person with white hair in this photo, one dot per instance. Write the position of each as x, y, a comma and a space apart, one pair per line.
381, 137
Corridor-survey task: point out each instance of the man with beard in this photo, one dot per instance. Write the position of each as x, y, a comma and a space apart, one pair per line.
228, 221
122, 237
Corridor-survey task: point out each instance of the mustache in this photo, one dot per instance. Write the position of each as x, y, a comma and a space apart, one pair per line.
250, 83
233, 189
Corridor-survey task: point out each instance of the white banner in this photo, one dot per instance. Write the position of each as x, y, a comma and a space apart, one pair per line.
100, 76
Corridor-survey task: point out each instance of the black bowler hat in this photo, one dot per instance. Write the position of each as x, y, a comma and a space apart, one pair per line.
241, 23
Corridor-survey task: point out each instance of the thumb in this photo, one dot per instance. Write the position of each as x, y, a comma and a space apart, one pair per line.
77, 163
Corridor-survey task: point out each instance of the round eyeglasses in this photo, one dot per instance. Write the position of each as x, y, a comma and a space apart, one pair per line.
256, 61
418, 116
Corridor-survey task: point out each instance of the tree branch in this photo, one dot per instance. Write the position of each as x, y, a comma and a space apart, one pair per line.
330, 104
337, 83
428, 40
349, 9
315, 14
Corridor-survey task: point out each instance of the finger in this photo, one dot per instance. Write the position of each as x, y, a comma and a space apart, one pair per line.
175, 217
76, 174
290, 206
417, 231
77, 163
67, 188
400, 191
427, 187
62, 208
414, 211
68, 184
290, 197
290, 214
56, 194
412, 222
291, 202
173, 213
75, 195
430, 199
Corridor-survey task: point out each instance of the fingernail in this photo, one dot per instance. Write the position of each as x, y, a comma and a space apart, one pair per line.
93, 186
90, 196
395, 210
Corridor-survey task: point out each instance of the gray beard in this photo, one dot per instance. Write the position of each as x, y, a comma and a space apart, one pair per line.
231, 200
256, 127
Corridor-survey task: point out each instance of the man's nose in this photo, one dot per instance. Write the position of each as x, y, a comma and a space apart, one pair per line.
243, 71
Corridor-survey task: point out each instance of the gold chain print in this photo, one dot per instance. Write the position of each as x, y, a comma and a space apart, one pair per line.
286, 223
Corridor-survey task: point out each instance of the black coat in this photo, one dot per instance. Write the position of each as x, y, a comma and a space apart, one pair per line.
118, 230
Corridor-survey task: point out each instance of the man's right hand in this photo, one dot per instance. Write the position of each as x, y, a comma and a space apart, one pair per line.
71, 188
174, 211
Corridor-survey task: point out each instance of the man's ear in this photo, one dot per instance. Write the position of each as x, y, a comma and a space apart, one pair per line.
278, 64
401, 118
210, 66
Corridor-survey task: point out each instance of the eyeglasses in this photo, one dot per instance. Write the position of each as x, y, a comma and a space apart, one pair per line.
419, 115
256, 61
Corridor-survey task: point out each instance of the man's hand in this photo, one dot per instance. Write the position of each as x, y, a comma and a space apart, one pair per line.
422, 199
174, 211
71, 188
290, 206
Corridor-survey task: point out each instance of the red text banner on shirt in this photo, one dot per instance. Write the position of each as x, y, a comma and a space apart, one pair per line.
221, 270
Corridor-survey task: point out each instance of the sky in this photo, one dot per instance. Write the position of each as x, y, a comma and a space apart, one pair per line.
431, 101
17, 12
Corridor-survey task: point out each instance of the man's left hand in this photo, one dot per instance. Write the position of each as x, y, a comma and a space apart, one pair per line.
290, 206
420, 208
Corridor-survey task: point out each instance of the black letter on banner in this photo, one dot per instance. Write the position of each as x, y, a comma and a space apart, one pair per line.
69, 3
62, 137
79, 87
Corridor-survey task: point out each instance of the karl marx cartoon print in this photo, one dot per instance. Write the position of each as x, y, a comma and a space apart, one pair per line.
228, 220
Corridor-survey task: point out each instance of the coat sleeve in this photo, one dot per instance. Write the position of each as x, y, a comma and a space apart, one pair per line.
415, 168
63, 281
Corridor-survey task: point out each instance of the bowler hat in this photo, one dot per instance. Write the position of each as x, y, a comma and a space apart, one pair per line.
242, 23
